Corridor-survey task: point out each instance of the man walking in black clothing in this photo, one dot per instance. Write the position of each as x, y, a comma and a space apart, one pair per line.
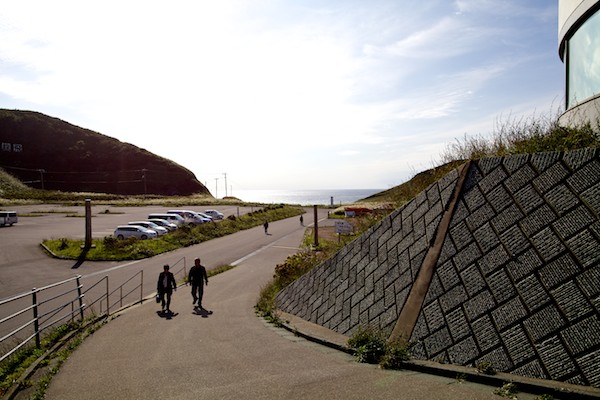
197, 277
165, 286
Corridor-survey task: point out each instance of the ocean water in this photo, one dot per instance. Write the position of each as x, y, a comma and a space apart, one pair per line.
305, 197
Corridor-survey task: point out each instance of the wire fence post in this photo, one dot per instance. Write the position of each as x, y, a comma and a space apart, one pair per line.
36, 323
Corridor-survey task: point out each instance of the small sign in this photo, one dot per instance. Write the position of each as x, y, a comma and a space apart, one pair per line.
342, 226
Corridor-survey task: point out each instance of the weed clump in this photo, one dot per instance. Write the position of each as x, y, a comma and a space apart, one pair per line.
371, 346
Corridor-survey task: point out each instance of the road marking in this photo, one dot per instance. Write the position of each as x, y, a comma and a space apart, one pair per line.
104, 271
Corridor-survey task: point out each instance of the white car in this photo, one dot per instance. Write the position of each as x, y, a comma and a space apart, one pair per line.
150, 225
172, 218
136, 231
214, 214
164, 223
190, 217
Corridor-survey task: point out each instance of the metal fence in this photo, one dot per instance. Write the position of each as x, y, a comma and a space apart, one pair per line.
30, 315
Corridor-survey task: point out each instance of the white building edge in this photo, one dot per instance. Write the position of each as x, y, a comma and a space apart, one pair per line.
579, 49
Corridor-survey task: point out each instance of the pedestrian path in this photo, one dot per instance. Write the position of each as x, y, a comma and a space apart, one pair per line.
231, 353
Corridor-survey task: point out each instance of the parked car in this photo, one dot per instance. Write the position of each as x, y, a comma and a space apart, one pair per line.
164, 223
136, 231
172, 218
205, 216
191, 217
8, 218
150, 225
214, 214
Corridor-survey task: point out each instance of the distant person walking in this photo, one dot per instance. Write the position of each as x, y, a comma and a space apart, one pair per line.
302, 220
197, 278
165, 286
266, 226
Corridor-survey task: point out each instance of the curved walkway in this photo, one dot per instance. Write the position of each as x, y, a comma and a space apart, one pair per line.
230, 354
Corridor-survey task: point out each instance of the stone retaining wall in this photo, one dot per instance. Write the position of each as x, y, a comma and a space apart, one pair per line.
517, 282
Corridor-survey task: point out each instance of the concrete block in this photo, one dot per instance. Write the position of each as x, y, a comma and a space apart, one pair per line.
586, 177
562, 199
486, 238
556, 359
572, 302
591, 197
472, 280
543, 161
479, 305
474, 199
582, 337
586, 248
523, 265
528, 199
517, 180
499, 198
533, 293
543, 323
463, 352
577, 158
515, 162
509, 313
588, 364
507, 218
548, 244
457, 323
559, 271
501, 286
537, 220
493, 260
485, 333
517, 343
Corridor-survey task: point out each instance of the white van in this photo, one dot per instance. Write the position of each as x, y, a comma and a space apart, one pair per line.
172, 218
8, 218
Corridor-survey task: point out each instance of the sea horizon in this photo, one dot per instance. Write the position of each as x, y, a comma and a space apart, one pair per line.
305, 197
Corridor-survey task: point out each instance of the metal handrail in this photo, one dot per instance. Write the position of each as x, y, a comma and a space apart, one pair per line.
45, 319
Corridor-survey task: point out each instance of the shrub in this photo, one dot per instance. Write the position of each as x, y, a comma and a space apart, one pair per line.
485, 367
508, 390
396, 354
369, 344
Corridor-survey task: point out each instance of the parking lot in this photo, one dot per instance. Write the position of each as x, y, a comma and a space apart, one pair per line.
23, 262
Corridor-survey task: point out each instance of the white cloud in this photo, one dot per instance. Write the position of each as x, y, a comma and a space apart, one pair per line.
359, 87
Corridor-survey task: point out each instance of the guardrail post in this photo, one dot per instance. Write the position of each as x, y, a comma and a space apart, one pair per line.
142, 288
80, 297
36, 324
107, 299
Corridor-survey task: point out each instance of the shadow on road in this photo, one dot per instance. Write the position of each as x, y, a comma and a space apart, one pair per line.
204, 313
166, 315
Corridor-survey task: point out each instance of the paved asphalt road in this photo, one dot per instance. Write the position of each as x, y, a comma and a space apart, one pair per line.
231, 354
24, 264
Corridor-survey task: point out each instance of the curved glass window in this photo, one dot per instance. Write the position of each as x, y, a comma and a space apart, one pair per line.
583, 64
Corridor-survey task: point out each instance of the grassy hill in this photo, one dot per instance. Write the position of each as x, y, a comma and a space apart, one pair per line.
48, 153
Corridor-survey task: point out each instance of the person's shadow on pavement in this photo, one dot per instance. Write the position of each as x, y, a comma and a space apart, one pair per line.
204, 313
166, 314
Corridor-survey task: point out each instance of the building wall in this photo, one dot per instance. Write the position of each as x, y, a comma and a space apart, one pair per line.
517, 282
579, 49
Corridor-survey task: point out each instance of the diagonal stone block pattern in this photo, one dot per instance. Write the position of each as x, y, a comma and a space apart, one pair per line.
517, 282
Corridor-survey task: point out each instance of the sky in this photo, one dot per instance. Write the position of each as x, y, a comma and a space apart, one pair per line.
284, 94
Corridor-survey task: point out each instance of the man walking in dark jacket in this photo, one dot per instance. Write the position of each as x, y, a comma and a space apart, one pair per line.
165, 286
197, 277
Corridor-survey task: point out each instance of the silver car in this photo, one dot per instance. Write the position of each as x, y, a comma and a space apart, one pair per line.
164, 223
150, 225
214, 214
136, 231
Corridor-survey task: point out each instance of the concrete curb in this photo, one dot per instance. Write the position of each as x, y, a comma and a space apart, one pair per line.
329, 338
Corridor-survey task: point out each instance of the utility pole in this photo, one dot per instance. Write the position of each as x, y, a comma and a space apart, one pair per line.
42, 177
216, 188
144, 180
316, 230
225, 175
